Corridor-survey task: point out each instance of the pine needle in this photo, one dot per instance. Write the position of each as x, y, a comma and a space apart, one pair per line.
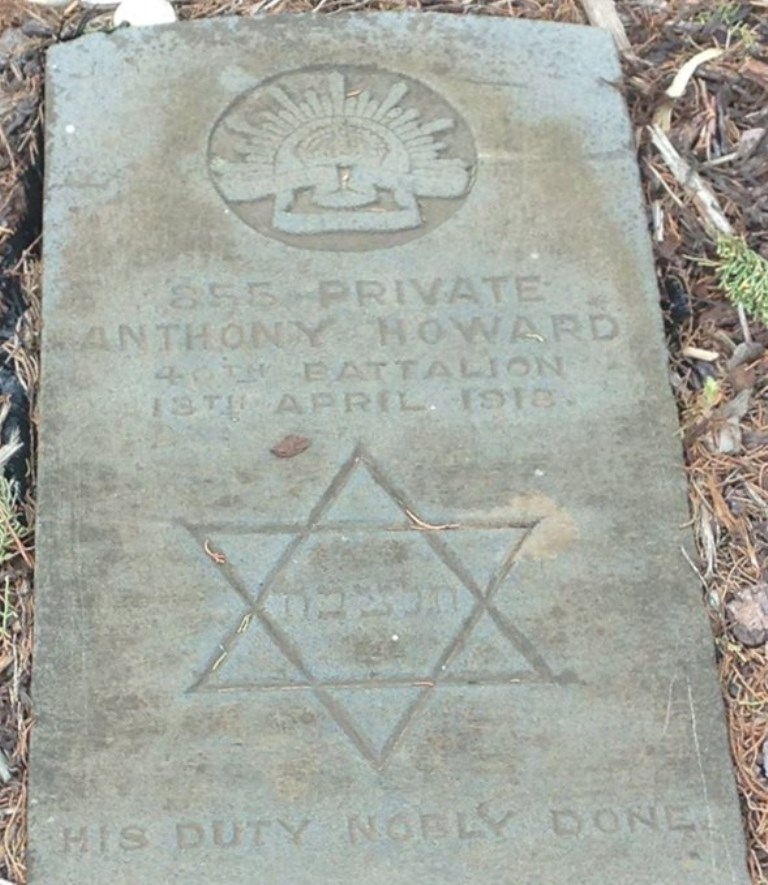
13, 531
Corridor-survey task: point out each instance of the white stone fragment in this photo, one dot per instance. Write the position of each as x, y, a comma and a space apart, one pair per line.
144, 12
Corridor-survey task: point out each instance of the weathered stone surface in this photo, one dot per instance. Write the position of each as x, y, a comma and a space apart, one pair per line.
451, 638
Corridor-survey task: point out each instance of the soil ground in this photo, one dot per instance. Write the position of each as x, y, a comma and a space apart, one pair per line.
718, 363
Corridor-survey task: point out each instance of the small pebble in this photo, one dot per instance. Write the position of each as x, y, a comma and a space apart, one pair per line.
12, 45
33, 28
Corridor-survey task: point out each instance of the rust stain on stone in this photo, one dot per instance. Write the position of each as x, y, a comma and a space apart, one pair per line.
555, 529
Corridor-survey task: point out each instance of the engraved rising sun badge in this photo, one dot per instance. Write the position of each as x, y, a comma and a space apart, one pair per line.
347, 158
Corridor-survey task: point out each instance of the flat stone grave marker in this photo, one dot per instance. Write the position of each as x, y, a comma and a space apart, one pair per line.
361, 492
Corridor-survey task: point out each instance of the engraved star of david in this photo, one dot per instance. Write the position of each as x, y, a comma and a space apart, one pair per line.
372, 650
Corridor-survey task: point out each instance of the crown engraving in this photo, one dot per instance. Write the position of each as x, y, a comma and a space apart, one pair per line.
343, 151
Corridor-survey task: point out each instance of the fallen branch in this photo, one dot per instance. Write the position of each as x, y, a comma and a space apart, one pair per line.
602, 14
710, 212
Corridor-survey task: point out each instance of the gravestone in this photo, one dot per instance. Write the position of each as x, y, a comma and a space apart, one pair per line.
361, 493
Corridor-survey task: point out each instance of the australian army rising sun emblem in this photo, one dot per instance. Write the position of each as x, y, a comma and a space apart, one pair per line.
344, 158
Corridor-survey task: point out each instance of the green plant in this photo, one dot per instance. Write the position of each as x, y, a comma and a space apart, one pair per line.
727, 12
731, 15
711, 393
7, 612
742, 274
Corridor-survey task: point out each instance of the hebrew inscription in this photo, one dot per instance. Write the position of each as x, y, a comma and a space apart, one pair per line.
351, 600
342, 157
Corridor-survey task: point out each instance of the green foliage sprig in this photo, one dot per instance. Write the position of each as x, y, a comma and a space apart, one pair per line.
742, 274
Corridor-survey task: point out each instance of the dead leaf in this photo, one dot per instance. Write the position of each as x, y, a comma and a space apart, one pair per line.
748, 612
290, 446
745, 353
749, 140
724, 433
742, 377
755, 439
737, 407
755, 70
